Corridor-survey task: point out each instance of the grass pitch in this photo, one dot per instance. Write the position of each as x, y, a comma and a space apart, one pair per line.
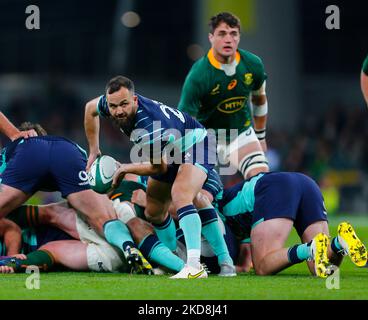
291, 284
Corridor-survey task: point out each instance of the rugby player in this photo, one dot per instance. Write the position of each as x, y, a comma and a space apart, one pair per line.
364, 79
219, 90
53, 163
268, 205
158, 130
91, 251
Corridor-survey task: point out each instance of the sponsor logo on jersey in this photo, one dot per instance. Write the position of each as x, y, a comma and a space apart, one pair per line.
231, 105
232, 84
83, 176
215, 90
248, 78
247, 124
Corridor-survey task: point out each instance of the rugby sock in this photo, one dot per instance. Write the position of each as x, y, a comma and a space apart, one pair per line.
43, 259
117, 234
190, 223
152, 248
25, 216
299, 252
166, 232
212, 232
336, 246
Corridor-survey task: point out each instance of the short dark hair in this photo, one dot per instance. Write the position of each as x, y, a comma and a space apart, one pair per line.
117, 82
25, 126
227, 17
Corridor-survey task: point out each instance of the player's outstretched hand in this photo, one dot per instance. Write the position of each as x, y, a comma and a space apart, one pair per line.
118, 176
6, 269
24, 134
20, 256
91, 158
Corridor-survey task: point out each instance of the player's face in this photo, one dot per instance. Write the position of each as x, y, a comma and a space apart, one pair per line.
123, 107
224, 41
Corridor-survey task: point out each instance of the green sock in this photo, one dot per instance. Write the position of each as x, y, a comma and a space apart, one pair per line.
25, 216
40, 258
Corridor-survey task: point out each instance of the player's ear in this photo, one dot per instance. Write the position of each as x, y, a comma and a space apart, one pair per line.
210, 37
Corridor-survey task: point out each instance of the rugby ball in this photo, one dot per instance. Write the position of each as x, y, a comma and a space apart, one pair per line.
101, 173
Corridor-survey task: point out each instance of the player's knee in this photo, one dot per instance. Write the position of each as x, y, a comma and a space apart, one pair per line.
154, 216
260, 270
201, 201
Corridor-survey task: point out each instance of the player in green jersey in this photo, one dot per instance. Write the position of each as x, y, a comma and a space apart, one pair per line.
364, 79
219, 90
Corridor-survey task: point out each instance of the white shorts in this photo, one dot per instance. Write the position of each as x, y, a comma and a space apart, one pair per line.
224, 149
101, 256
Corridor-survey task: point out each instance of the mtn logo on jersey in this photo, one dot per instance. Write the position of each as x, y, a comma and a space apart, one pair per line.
248, 78
231, 105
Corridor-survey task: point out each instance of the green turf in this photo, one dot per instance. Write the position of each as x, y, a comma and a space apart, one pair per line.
293, 283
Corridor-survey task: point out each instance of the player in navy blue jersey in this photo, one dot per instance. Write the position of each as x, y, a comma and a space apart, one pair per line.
266, 207
51, 163
179, 154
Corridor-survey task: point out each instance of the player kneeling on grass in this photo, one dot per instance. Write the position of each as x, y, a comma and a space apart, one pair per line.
90, 251
52, 163
275, 202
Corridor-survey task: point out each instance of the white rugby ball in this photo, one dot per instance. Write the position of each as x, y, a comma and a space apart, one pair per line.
101, 173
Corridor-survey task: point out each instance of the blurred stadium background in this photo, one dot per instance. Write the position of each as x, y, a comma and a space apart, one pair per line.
317, 117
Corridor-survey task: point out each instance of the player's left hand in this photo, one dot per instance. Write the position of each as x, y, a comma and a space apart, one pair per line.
118, 176
139, 198
20, 256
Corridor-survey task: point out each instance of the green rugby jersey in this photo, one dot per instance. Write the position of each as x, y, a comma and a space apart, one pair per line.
125, 192
218, 100
365, 66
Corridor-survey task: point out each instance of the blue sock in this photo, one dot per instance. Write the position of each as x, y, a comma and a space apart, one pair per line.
166, 232
190, 223
336, 247
117, 234
212, 232
299, 252
155, 250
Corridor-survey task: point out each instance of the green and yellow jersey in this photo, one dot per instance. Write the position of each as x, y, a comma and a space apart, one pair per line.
365, 66
217, 95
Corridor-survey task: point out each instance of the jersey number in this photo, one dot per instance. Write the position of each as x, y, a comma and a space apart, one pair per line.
164, 109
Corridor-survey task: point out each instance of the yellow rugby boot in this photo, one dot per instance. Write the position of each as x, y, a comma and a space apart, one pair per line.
319, 249
351, 244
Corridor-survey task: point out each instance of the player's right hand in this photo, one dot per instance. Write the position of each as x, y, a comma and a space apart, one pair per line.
24, 134
91, 158
6, 269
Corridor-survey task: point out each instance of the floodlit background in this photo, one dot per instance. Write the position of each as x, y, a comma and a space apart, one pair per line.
318, 121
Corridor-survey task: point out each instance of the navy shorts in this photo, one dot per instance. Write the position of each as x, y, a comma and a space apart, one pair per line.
288, 195
47, 163
214, 185
202, 155
47, 234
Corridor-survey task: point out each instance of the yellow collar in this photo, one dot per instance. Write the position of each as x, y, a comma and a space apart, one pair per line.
215, 63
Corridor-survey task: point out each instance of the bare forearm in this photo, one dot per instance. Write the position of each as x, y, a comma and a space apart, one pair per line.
364, 86
13, 242
7, 128
144, 169
92, 125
